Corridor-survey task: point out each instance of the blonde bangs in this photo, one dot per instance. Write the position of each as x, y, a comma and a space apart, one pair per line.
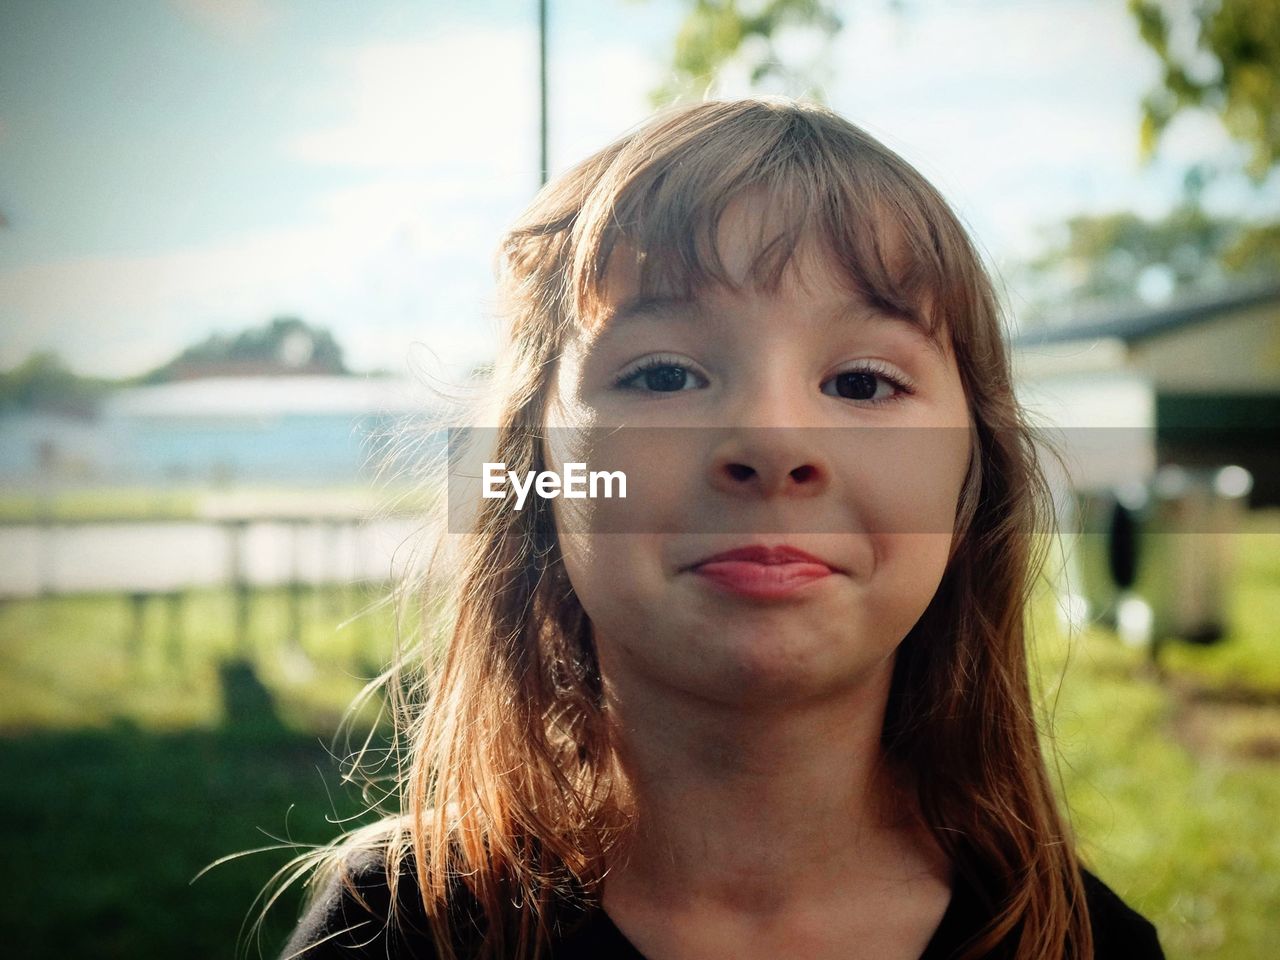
662, 199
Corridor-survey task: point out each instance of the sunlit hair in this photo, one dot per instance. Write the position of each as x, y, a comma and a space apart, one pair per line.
511, 800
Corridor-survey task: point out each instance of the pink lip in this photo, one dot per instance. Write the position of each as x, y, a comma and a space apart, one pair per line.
762, 572
759, 553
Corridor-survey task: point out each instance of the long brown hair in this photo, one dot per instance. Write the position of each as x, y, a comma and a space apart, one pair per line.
510, 794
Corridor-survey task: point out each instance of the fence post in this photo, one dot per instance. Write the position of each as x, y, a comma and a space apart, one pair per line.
239, 582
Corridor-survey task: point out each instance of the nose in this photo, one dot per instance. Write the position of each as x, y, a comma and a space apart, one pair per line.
771, 444
766, 462
768, 451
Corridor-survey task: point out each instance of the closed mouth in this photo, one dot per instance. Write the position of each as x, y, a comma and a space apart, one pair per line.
767, 555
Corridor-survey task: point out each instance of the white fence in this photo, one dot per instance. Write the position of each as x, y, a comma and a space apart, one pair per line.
165, 556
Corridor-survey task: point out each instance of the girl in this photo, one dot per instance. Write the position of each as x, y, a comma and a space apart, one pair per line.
775, 702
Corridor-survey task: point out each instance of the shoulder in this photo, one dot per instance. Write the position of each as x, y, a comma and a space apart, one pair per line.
358, 912
1119, 931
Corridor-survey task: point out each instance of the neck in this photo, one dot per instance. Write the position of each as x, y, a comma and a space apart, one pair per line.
744, 810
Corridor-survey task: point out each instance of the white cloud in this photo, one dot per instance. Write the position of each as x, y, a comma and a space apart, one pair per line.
462, 100
120, 313
378, 289
444, 130
238, 20
1020, 113
466, 103
1196, 136
598, 92
424, 216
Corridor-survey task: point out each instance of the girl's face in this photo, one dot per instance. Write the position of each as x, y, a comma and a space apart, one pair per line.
873, 494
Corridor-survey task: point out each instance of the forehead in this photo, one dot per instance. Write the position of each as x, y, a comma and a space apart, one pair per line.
828, 315
754, 255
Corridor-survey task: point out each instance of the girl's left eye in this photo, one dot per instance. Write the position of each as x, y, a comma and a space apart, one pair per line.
871, 383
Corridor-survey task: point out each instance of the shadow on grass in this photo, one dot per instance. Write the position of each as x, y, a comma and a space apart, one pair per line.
103, 831
1232, 693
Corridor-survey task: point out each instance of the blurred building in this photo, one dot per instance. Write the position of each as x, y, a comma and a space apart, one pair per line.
1200, 378
221, 431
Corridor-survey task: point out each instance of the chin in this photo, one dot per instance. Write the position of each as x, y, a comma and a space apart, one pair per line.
757, 674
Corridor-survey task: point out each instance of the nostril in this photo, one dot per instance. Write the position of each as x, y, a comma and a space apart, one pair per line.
740, 471
804, 474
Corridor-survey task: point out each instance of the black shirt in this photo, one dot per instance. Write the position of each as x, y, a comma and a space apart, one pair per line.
340, 927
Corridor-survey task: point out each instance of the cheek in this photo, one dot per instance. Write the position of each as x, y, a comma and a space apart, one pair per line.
905, 480
614, 577
910, 566
908, 485
909, 572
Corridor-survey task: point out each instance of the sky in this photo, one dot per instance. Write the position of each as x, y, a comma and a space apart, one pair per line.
171, 168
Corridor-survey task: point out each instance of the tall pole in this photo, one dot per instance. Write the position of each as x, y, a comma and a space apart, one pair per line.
542, 91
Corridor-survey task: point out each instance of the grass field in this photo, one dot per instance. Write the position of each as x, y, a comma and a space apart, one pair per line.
73, 506
1173, 773
95, 504
132, 761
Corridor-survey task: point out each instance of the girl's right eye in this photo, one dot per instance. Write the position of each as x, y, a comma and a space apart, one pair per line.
657, 374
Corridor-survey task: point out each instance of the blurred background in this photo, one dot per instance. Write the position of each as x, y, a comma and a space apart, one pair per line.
240, 240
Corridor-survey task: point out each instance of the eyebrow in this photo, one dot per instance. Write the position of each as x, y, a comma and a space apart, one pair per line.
652, 308
659, 308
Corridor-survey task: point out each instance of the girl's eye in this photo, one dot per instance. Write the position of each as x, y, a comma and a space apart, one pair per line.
658, 375
869, 383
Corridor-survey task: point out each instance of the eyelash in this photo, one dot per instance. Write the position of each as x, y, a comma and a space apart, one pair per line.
902, 386
650, 363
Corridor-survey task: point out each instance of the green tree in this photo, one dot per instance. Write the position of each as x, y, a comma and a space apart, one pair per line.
45, 383
282, 345
1111, 257
1223, 57
1217, 56
1230, 67
717, 32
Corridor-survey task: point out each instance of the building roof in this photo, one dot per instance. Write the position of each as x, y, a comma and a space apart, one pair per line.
1144, 324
